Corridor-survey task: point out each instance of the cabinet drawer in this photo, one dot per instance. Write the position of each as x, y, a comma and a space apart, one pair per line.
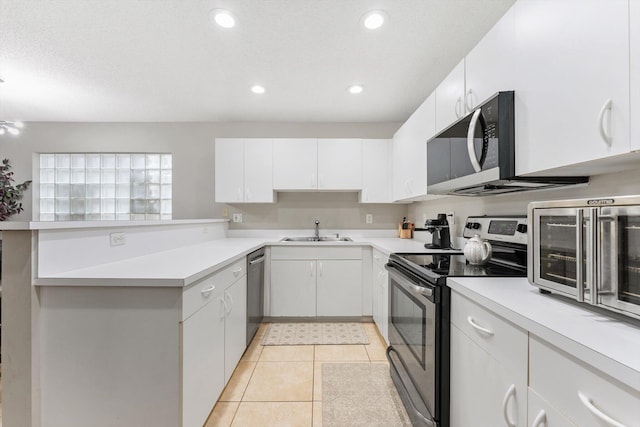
200, 293
314, 252
503, 340
578, 390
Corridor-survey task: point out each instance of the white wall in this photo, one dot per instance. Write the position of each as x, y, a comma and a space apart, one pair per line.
613, 184
192, 145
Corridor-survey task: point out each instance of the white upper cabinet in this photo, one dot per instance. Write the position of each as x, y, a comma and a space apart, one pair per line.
243, 171
489, 66
258, 179
410, 152
571, 82
339, 164
229, 170
377, 155
295, 164
634, 21
450, 98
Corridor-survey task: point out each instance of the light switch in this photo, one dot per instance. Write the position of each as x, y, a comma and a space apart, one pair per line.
117, 239
237, 217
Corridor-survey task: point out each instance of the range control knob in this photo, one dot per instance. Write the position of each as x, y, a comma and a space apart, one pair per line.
522, 228
472, 225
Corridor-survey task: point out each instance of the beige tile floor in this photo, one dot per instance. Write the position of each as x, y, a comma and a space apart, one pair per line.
282, 386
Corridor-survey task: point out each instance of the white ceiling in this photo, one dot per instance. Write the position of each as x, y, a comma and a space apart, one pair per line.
162, 60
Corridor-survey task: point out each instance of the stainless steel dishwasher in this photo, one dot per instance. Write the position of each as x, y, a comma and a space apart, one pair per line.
255, 292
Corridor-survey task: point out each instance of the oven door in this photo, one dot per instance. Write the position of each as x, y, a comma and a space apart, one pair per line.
563, 245
412, 339
619, 252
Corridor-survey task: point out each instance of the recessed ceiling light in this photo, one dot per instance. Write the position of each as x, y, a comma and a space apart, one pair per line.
257, 89
355, 89
374, 19
223, 18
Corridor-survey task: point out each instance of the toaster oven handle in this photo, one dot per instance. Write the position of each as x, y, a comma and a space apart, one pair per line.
580, 219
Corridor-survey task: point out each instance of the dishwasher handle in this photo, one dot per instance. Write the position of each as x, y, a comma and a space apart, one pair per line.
257, 260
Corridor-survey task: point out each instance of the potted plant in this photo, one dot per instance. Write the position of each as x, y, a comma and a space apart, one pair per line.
10, 195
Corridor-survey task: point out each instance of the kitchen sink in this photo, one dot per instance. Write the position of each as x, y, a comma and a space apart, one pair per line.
317, 239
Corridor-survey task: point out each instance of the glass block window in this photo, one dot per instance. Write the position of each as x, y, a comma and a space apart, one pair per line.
105, 186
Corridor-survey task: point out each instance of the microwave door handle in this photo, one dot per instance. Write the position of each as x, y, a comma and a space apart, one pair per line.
470, 139
580, 221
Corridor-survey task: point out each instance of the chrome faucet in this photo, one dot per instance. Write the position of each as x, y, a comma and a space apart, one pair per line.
317, 229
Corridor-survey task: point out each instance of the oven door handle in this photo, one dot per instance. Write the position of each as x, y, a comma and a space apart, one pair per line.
407, 284
404, 392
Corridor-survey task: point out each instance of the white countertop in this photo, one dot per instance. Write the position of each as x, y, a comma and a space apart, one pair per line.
185, 265
602, 339
64, 225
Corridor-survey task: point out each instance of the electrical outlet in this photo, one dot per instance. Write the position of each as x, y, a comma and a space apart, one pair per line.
117, 239
237, 217
369, 219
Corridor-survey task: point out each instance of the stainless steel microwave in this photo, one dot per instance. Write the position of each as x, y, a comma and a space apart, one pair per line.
588, 249
475, 156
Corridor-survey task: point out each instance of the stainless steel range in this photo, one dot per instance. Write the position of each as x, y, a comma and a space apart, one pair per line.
419, 311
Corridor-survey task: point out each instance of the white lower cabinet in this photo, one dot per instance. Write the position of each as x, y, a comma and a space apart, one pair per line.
293, 288
585, 396
339, 288
235, 325
314, 281
543, 414
202, 359
488, 368
380, 294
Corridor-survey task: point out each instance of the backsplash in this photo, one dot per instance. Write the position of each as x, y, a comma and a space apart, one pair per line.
613, 184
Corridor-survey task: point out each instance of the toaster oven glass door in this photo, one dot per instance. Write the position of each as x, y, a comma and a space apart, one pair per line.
561, 249
620, 258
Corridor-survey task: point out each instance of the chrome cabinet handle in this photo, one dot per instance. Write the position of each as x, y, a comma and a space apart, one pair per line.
466, 100
470, 146
606, 136
473, 323
511, 392
230, 303
540, 420
208, 290
459, 107
587, 401
223, 306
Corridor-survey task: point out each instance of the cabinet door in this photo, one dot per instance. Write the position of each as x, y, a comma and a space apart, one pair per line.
376, 171
258, 171
481, 387
542, 414
229, 170
450, 98
202, 362
410, 159
571, 64
634, 21
377, 296
489, 65
339, 164
235, 327
339, 289
295, 164
293, 288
